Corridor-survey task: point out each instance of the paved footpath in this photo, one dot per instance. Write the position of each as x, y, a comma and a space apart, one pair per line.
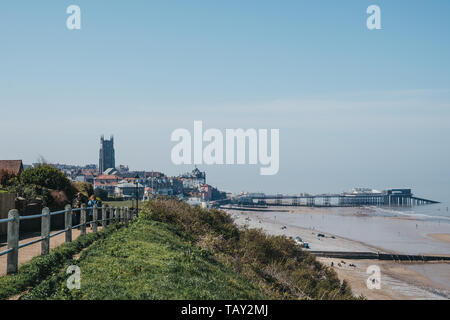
27, 253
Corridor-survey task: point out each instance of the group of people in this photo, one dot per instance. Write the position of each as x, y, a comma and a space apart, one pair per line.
90, 203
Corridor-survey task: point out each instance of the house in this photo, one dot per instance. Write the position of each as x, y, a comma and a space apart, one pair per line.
194, 179
110, 171
106, 182
108, 187
148, 193
106, 179
177, 185
11, 167
128, 190
206, 192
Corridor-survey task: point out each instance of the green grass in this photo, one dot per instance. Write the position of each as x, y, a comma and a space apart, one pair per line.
148, 260
42, 267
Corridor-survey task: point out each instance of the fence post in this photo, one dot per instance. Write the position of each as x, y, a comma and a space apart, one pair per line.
45, 231
12, 260
113, 215
68, 222
104, 210
83, 219
117, 215
121, 213
127, 214
94, 218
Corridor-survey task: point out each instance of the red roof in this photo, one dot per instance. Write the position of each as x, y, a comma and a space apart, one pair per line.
104, 183
107, 177
11, 166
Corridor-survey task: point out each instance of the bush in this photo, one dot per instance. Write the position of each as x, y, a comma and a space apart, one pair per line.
48, 177
84, 187
101, 193
7, 178
44, 183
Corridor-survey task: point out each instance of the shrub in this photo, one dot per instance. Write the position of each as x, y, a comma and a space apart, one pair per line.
48, 177
84, 187
43, 182
101, 193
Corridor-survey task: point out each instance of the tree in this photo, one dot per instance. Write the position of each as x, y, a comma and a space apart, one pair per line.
85, 188
48, 177
7, 178
41, 182
102, 194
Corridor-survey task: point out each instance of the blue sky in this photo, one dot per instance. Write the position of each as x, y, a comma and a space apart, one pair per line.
354, 107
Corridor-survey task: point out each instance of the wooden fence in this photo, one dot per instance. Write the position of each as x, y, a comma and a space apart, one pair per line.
109, 215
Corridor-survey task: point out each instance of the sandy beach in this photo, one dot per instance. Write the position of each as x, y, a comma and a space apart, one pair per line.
358, 230
444, 237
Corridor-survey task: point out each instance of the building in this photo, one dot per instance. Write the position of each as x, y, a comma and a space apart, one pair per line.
110, 171
206, 192
177, 185
128, 190
107, 157
107, 183
194, 179
148, 194
11, 167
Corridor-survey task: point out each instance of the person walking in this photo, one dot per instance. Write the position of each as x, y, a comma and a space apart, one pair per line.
91, 203
77, 201
76, 204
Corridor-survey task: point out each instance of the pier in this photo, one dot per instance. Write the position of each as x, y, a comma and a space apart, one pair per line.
355, 198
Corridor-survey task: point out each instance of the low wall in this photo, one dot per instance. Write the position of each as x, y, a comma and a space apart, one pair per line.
7, 202
35, 208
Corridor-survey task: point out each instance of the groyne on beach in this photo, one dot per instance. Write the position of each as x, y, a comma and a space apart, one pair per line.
378, 256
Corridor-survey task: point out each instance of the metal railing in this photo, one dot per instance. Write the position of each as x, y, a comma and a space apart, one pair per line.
110, 215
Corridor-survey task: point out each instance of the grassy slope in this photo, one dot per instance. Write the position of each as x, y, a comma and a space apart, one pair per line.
174, 251
42, 267
148, 260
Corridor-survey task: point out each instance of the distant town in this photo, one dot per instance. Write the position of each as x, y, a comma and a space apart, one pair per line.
115, 183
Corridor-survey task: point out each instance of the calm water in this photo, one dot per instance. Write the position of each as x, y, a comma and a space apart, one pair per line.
380, 227
434, 212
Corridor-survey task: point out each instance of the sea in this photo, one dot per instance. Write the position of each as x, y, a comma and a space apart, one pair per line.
439, 212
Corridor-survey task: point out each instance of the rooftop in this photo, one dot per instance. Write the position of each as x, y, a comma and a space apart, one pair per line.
11, 166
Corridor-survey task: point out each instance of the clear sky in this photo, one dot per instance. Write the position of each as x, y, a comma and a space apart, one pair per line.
354, 107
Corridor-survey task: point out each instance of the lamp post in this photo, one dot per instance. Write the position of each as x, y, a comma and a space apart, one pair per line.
137, 194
